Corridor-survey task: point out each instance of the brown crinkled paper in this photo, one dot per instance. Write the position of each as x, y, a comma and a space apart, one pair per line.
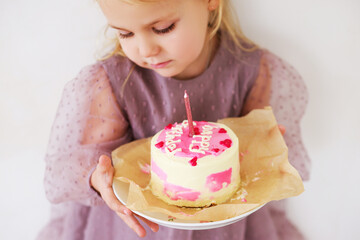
266, 173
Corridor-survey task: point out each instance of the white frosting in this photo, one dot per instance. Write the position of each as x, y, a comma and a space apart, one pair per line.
175, 172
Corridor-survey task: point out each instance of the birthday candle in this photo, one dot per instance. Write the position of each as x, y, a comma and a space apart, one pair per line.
188, 113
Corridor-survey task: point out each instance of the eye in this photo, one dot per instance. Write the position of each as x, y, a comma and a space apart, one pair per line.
125, 35
164, 30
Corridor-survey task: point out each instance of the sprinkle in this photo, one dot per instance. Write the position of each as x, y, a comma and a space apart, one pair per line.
196, 147
193, 161
222, 130
216, 150
196, 131
227, 143
159, 144
168, 127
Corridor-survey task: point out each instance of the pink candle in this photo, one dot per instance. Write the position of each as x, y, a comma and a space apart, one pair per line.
188, 113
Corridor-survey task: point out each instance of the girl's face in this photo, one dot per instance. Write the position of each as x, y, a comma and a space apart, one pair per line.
168, 36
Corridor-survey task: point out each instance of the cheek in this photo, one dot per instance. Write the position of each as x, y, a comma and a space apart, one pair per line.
186, 45
192, 33
128, 48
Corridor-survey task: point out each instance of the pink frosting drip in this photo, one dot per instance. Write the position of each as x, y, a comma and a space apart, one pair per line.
216, 181
158, 171
174, 192
209, 140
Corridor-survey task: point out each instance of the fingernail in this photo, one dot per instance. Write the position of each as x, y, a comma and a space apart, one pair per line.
126, 212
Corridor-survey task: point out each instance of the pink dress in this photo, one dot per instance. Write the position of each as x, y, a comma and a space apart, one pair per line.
100, 97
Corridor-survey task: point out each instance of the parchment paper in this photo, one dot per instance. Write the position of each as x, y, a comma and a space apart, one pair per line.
266, 173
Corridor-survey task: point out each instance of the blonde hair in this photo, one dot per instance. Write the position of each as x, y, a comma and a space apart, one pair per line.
222, 18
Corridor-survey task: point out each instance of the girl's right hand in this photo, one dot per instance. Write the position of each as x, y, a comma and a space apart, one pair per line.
101, 180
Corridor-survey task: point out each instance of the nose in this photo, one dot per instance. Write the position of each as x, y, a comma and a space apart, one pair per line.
148, 47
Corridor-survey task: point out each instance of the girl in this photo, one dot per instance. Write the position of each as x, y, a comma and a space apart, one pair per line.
163, 47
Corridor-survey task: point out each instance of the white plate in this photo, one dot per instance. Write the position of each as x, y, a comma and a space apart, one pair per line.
121, 192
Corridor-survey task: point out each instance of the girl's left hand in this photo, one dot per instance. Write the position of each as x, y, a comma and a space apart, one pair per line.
101, 180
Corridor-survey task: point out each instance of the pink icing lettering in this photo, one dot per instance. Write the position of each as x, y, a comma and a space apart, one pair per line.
216, 181
208, 127
206, 132
171, 147
205, 145
196, 149
171, 142
204, 138
168, 138
211, 137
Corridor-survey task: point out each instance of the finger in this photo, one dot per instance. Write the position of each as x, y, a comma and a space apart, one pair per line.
106, 169
111, 200
134, 224
104, 163
154, 226
122, 211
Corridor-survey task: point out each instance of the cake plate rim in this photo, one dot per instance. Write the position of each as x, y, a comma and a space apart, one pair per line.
121, 190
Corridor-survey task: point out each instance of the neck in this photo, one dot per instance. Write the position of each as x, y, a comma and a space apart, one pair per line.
213, 45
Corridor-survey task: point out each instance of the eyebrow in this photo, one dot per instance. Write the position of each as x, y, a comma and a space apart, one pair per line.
122, 29
152, 23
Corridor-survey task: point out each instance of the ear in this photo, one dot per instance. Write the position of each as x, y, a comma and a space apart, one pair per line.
213, 4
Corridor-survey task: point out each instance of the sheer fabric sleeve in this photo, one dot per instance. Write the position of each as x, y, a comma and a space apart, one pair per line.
279, 85
88, 123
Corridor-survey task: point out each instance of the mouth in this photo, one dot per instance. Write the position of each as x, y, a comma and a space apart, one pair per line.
160, 65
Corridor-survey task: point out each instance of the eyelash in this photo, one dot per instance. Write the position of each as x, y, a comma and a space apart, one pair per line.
157, 31
123, 36
165, 30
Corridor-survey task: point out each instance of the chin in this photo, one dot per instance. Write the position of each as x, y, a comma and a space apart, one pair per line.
167, 73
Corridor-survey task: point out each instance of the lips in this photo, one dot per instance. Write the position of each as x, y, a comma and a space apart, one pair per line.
160, 65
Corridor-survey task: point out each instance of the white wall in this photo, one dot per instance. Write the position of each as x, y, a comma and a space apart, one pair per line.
44, 44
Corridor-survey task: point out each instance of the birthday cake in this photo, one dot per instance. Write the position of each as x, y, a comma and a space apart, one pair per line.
196, 171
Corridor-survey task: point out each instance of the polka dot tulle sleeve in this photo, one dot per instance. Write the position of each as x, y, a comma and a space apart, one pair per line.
288, 98
88, 123
280, 86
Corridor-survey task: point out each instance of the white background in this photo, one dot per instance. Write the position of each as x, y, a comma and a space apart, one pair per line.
44, 44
